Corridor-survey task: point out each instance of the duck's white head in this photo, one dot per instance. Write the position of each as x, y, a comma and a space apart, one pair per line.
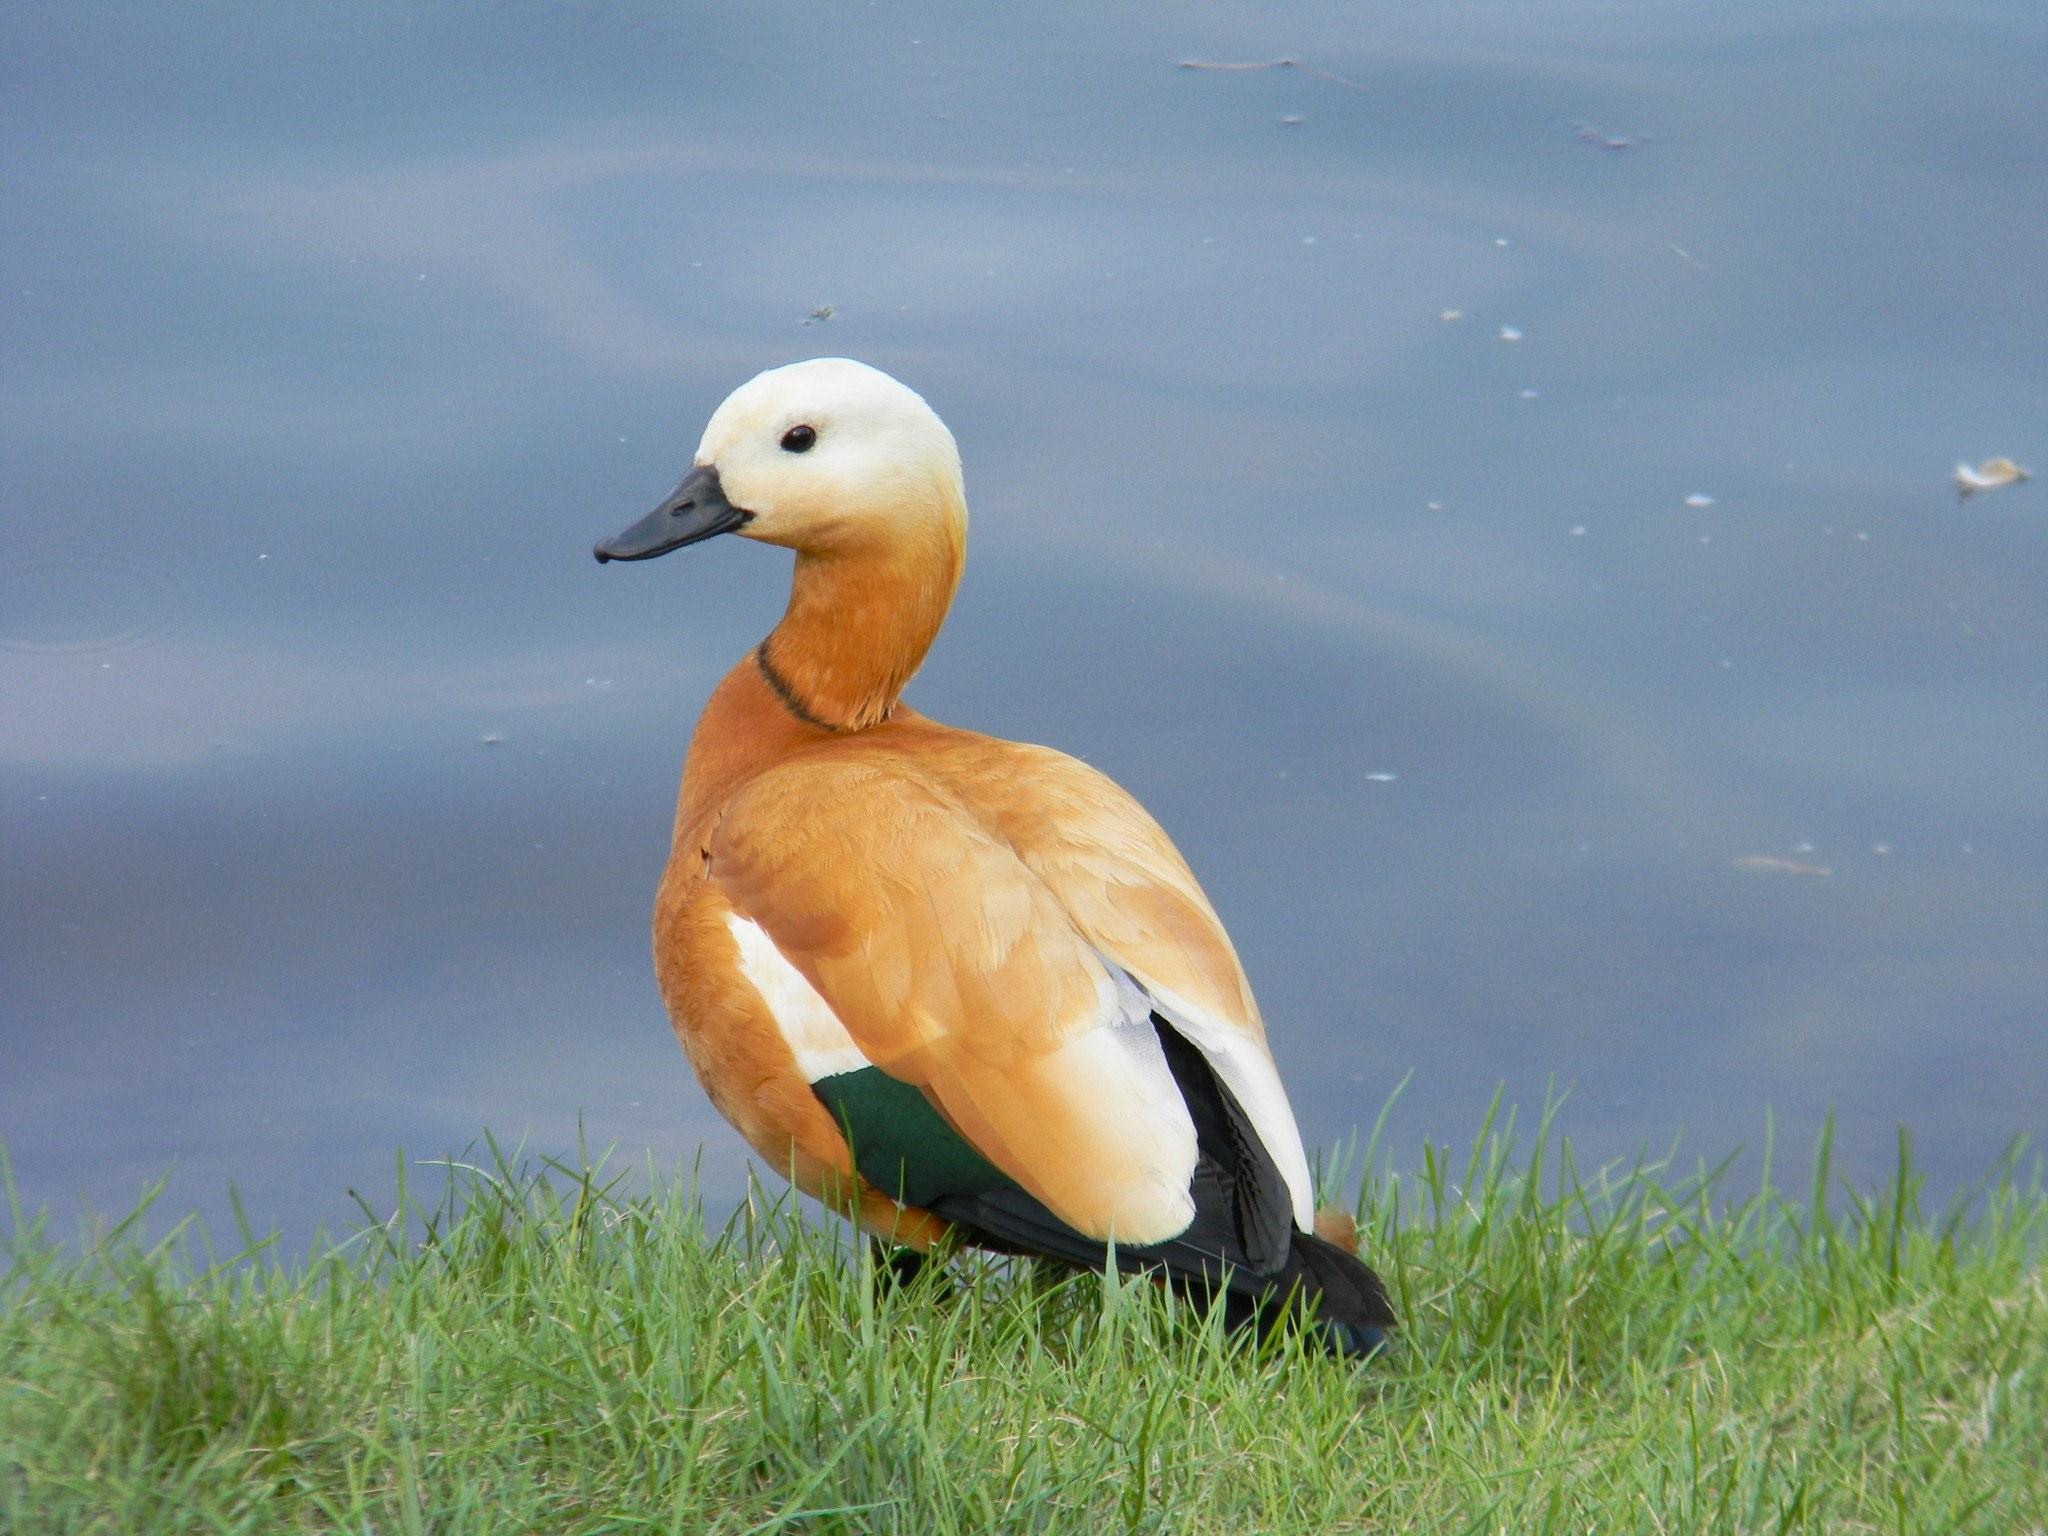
823, 456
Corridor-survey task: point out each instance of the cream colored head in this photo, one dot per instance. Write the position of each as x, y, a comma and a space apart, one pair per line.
828, 457
830, 453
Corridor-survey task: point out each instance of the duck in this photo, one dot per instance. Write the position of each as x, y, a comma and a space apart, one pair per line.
960, 989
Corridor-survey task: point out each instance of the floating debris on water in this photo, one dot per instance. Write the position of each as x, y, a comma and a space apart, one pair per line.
492, 739
1699, 499
1988, 476
1586, 133
1771, 864
821, 314
1511, 333
1382, 778
1450, 315
1236, 66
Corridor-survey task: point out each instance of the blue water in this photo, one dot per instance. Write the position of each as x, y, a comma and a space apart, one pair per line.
335, 777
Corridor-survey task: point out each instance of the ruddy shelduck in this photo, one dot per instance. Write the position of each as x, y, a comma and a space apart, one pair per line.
941, 980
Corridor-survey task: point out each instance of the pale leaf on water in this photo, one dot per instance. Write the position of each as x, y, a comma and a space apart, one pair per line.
1988, 476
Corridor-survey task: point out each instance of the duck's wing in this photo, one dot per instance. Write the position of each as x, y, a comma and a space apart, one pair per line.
1130, 894
930, 983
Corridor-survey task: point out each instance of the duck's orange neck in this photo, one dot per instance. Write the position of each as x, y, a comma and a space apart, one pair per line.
859, 623
857, 627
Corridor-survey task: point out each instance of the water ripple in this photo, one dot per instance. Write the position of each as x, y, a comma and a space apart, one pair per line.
78, 604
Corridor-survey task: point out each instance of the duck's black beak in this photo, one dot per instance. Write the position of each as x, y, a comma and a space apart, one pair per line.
696, 509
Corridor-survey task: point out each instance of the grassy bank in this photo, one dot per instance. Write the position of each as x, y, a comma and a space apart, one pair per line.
1632, 1350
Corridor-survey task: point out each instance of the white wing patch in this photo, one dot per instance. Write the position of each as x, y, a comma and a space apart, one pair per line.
1128, 1048
815, 1036
1248, 1072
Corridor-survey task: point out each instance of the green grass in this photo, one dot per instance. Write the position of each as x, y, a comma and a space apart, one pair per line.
1620, 1350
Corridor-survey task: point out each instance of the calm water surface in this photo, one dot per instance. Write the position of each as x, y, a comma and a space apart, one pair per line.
1474, 662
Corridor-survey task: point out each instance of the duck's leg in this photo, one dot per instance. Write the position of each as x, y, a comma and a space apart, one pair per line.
897, 1269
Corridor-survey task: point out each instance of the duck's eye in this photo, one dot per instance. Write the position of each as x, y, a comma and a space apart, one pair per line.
799, 439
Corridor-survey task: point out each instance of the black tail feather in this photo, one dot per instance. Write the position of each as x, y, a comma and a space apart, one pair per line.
1353, 1304
1348, 1300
